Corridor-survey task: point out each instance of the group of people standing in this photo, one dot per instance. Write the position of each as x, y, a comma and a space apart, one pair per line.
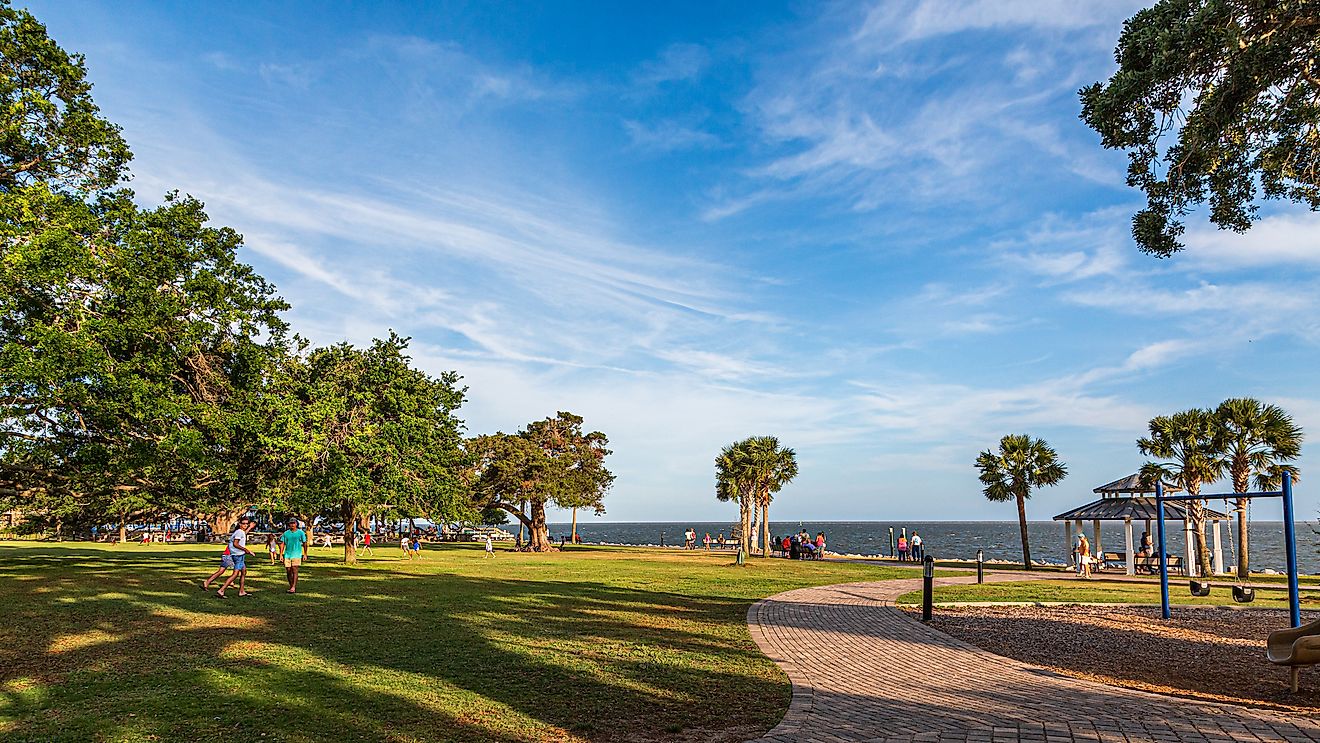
910, 548
690, 540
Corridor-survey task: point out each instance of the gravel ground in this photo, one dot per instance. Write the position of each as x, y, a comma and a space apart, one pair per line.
1210, 654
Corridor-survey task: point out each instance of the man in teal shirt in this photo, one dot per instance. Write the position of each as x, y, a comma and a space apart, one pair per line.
293, 542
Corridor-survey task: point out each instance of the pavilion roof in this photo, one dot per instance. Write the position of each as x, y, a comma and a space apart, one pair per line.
1137, 508
1132, 484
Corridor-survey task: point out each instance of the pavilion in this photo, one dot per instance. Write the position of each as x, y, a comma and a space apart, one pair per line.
1128, 500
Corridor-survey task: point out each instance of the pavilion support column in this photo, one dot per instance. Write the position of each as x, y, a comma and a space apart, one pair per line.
1127, 542
1219, 551
1189, 554
1098, 548
1067, 545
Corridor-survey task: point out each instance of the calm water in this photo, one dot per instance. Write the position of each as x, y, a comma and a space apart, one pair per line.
961, 539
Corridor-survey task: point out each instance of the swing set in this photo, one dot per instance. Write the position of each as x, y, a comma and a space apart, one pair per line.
1241, 593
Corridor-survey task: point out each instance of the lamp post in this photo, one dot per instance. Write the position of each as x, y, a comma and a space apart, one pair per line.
980, 566
927, 587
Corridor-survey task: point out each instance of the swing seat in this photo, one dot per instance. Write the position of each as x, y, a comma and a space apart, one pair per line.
1199, 589
1244, 594
1296, 647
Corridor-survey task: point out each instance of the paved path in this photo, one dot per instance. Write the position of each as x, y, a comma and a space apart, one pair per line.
862, 670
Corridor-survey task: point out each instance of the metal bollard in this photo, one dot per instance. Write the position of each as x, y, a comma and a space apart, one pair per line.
742, 556
980, 566
927, 587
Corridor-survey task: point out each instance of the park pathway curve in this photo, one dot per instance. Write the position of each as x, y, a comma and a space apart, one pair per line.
863, 670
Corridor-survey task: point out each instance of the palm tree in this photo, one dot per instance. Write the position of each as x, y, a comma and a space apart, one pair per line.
1187, 440
776, 466
735, 481
750, 472
1021, 465
1255, 439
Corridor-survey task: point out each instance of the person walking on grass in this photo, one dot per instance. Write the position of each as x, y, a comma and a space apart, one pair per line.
293, 540
366, 542
416, 546
490, 547
404, 546
707, 541
238, 550
273, 547
226, 564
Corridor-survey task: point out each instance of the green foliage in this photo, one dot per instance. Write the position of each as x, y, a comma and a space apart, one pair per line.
50, 130
361, 431
1021, 465
1188, 442
551, 461
1214, 101
750, 472
1257, 442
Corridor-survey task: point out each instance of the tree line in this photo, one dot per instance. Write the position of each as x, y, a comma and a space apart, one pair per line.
145, 371
1250, 442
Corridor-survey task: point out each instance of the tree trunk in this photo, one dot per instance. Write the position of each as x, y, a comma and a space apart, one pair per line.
123, 532
573, 538
745, 524
765, 530
220, 521
350, 552
1243, 561
1196, 514
1022, 525
538, 533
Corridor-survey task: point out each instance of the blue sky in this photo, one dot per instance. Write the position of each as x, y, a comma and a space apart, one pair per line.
879, 232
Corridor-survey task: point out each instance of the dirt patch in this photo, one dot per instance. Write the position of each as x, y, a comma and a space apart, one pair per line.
1208, 654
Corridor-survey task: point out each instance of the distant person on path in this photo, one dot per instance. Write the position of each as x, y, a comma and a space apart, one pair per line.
707, 541
917, 545
238, 551
902, 548
690, 539
272, 547
293, 540
327, 541
820, 545
366, 542
490, 547
786, 545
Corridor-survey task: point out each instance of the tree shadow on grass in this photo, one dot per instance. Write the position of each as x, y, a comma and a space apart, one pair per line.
116, 645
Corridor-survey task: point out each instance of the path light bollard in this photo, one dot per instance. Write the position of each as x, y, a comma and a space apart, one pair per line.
742, 556
927, 587
980, 566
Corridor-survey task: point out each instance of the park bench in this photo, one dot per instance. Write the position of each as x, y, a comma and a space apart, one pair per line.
1152, 564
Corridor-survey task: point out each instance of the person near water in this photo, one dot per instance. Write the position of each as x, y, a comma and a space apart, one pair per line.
1083, 556
272, 547
293, 540
490, 547
707, 541
238, 551
820, 544
720, 540
917, 546
903, 547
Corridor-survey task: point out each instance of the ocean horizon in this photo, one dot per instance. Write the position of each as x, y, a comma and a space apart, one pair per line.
959, 539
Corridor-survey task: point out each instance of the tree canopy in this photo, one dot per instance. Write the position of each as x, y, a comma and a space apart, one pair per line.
1216, 102
1019, 466
549, 462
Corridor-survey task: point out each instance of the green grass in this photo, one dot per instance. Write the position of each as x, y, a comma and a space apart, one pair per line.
1097, 591
117, 643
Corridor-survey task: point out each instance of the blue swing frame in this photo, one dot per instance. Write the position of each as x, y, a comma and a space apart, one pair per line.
1289, 538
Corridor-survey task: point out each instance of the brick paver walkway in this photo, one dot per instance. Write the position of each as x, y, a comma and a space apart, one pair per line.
862, 670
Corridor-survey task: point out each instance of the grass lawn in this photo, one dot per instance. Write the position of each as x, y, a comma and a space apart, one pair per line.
117, 643
1101, 591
